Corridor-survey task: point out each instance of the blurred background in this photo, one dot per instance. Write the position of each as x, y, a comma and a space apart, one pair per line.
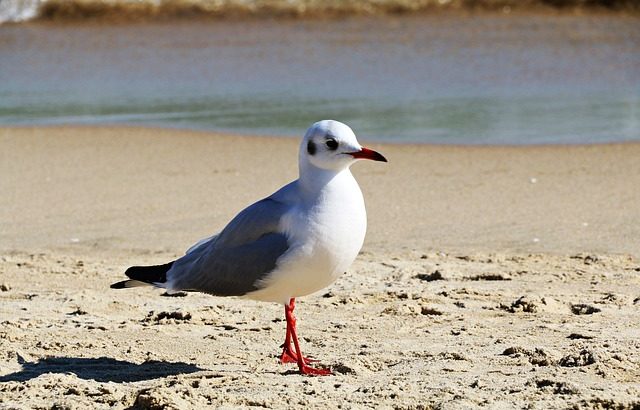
427, 71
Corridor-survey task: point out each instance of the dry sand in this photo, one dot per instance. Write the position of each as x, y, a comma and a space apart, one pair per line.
497, 277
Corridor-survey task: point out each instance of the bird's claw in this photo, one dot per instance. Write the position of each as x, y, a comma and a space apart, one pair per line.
314, 371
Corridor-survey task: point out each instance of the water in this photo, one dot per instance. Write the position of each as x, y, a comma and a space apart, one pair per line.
483, 79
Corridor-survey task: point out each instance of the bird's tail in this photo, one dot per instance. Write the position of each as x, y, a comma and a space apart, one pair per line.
155, 275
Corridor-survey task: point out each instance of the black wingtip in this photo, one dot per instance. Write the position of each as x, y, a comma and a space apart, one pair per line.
144, 275
149, 274
119, 285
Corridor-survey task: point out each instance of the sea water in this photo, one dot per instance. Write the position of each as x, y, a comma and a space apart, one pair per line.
444, 78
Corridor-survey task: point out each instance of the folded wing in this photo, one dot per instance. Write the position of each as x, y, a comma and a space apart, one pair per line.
233, 262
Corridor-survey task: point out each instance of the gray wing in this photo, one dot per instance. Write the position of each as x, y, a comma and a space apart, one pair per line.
234, 261
201, 243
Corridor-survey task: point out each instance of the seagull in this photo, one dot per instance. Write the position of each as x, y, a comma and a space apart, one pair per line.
290, 244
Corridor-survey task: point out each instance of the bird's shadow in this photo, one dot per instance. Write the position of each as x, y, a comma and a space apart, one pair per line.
101, 369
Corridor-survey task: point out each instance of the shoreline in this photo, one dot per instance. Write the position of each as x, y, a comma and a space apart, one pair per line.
260, 137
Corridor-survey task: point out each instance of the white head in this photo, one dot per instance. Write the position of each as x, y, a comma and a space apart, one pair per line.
332, 145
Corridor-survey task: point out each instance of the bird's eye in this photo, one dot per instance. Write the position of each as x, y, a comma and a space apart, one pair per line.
332, 144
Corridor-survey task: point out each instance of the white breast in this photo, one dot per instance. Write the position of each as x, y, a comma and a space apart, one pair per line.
326, 234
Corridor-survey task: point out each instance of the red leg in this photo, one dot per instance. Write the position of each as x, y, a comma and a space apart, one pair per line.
288, 355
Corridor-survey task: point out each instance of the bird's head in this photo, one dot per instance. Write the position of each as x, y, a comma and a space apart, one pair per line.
332, 145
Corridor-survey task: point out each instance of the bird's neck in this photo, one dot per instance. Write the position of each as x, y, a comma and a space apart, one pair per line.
313, 180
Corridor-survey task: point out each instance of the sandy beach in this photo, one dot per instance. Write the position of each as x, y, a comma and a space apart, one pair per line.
495, 277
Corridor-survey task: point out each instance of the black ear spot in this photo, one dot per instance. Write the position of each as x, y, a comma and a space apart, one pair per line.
311, 148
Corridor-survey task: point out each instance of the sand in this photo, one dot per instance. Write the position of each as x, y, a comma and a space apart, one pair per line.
497, 277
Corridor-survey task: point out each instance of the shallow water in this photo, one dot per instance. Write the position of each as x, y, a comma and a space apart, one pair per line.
484, 79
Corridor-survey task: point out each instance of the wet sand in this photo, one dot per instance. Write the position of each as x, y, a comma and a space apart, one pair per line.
491, 276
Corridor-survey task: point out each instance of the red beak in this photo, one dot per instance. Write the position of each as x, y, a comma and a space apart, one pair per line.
366, 153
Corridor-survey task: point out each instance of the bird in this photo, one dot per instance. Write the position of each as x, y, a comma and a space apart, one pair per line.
290, 244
